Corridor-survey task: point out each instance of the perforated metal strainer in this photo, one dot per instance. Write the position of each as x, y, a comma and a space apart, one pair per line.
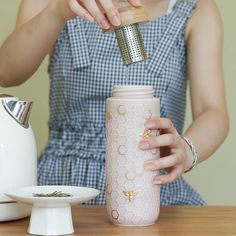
131, 44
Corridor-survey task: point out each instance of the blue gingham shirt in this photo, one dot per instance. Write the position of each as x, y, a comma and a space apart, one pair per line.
83, 68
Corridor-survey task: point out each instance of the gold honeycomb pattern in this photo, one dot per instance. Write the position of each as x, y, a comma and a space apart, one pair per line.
131, 196
115, 214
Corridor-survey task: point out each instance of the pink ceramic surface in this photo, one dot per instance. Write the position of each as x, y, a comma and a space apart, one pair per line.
132, 198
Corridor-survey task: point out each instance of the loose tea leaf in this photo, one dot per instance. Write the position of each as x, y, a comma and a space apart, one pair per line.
53, 194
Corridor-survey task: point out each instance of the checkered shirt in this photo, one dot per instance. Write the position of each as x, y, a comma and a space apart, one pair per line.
83, 68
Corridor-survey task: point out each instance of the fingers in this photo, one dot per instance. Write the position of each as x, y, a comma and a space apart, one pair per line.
135, 3
171, 139
171, 162
96, 12
93, 9
78, 10
163, 163
159, 141
174, 174
111, 12
161, 123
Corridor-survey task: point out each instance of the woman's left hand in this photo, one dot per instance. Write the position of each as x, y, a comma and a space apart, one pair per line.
176, 156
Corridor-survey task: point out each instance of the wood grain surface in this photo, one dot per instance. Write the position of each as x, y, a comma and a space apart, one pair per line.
131, 15
173, 221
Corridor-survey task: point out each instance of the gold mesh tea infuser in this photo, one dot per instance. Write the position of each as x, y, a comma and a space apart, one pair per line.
128, 34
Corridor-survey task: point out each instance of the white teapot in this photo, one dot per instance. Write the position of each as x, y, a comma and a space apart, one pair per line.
18, 155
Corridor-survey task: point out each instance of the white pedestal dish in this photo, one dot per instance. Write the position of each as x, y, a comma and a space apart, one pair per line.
52, 215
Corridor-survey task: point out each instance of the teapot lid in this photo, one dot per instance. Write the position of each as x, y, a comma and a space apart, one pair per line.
17, 109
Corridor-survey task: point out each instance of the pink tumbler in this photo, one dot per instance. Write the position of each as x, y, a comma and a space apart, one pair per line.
132, 197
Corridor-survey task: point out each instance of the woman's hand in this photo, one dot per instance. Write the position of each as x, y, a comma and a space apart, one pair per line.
176, 156
103, 11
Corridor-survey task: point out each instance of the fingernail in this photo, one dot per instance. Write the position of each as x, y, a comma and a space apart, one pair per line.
116, 20
150, 124
137, 3
158, 182
87, 16
104, 24
144, 145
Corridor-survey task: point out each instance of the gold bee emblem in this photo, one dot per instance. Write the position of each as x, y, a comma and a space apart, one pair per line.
130, 195
146, 134
108, 117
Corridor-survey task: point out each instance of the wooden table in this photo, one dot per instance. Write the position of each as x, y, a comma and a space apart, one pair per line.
173, 221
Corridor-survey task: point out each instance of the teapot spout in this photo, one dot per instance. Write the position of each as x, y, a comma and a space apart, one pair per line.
19, 110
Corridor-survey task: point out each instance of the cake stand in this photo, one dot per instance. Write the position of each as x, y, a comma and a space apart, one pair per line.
52, 215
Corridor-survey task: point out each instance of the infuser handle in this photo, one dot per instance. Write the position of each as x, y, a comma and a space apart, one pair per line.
131, 15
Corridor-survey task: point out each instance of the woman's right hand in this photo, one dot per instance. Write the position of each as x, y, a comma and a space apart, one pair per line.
103, 11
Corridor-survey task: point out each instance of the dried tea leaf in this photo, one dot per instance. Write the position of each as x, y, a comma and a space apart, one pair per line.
53, 194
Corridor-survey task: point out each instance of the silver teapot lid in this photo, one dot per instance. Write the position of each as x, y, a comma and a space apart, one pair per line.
18, 109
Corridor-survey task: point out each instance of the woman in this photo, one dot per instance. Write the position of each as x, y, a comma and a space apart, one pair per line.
183, 42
